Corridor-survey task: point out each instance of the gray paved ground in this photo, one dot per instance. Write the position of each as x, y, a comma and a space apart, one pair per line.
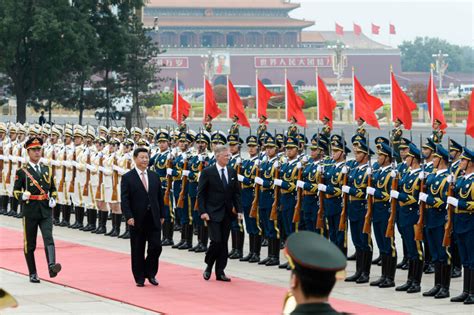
58, 299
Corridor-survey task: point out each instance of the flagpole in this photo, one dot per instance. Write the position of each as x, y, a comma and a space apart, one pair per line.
286, 96
177, 99
391, 98
432, 95
256, 94
353, 96
228, 98
204, 99
317, 96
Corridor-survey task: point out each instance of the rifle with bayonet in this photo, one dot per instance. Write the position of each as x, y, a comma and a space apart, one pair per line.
370, 199
422, 207
345, 197
448, 227
390, 232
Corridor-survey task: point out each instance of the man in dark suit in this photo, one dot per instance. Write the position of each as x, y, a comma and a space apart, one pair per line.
218, 195
142, 205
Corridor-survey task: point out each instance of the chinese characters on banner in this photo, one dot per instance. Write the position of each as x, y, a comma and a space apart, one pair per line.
173, 62
294, 62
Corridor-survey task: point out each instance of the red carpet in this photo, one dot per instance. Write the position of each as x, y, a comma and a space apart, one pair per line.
181, 291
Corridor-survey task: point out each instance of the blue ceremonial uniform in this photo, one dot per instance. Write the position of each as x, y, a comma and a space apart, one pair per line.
159, 166
288, 175
463, 223
266, 199
236, 225
310, 198
247, 192
184, 213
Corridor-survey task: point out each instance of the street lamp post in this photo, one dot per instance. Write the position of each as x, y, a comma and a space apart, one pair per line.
208, 64
338, 64
440, 66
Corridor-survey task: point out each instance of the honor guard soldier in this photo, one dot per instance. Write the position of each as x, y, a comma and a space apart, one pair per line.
292, 129
463, 224
407, 195
435, 198
262, 126
333, 175
16, 160
264, 182
314, 263
98, 185
287, 182
124, 164
64, 157
112, 186
8, 169
208, 123
3, 165
34, 186
161, 162
198, 162
234, 128
217, 137
246, 178
237, 229
356, 188
50, 159
437, 135
382, 183
396, 136
361, 132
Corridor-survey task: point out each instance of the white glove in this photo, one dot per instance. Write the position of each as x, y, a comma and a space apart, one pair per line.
43, 161
67, 164
369, 170
2, 157
22, 160
115, 167
421, 175
394, 194
370, 190
299, 165
320, 169
169, 171
345, 170
322, 187
107, 171
238, 161
26, 195
101, 169
304, 159
14, 159
185, 156
393, 173
240, 178
90, 167
200, 158
277, 182
257, 162
185, 173
259, 181
423, 196
276, 164
453, 201
74, 164
300, 184
450, 178
52, 202
346, 189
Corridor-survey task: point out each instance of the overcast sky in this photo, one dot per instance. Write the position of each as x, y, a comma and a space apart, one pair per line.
449, 20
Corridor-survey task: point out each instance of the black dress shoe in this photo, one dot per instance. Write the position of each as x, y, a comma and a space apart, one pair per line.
140, 284
54, 269
153, 281
222, 277
34, 278
207, 273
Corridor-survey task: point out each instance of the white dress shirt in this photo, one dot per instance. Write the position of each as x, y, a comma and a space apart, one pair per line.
140, 175
219, 170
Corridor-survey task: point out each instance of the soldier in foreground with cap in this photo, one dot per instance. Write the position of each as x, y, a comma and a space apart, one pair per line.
314, 262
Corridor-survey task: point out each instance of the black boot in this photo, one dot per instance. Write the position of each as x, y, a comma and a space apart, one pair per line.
470, 297
101, 227
167, 228
251, 248
465, 288
20, 213
354, 277
257, 246
411, 272
239, 245
91, 220
197, 232
3, 204
456, 261
30, 262
445, 282
233, 236
183, 238
57, 214
377, 260
417, 274
391, 268
118, 223
269, 254
79, 218
366, 264
275, 258
126, 234
66, 216
114, 225
437, 279
188, 237
204, 239
53, 267
382, 278
264, 242
13, 207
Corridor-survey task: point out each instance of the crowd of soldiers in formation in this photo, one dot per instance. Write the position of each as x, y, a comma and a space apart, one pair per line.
288, 182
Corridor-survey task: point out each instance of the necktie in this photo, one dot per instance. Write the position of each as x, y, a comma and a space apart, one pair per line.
224, 180
38, 170
144, 181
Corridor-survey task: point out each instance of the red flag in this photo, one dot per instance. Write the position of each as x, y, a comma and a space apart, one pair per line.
210, 106
470, 117
264, 96
294, 106
357, 29
402, 105
375, 29
392, 29
339, 29
236, 107
180, 107
434, 104
326, 103
365, 105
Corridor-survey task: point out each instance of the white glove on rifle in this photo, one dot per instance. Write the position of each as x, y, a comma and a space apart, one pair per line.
300, 184
277, 182
185, 173
423, 196
200, 158
370, 190
169, 171
453, 201
320, 169
421, 175
185, 156
394, 194
259, 181
345, 170
26, 195
322, 187
276, 164
240, 178
52, 202
238, 161
450, 178
257, 162
346, 189
393, 173
369, 170
299, 165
